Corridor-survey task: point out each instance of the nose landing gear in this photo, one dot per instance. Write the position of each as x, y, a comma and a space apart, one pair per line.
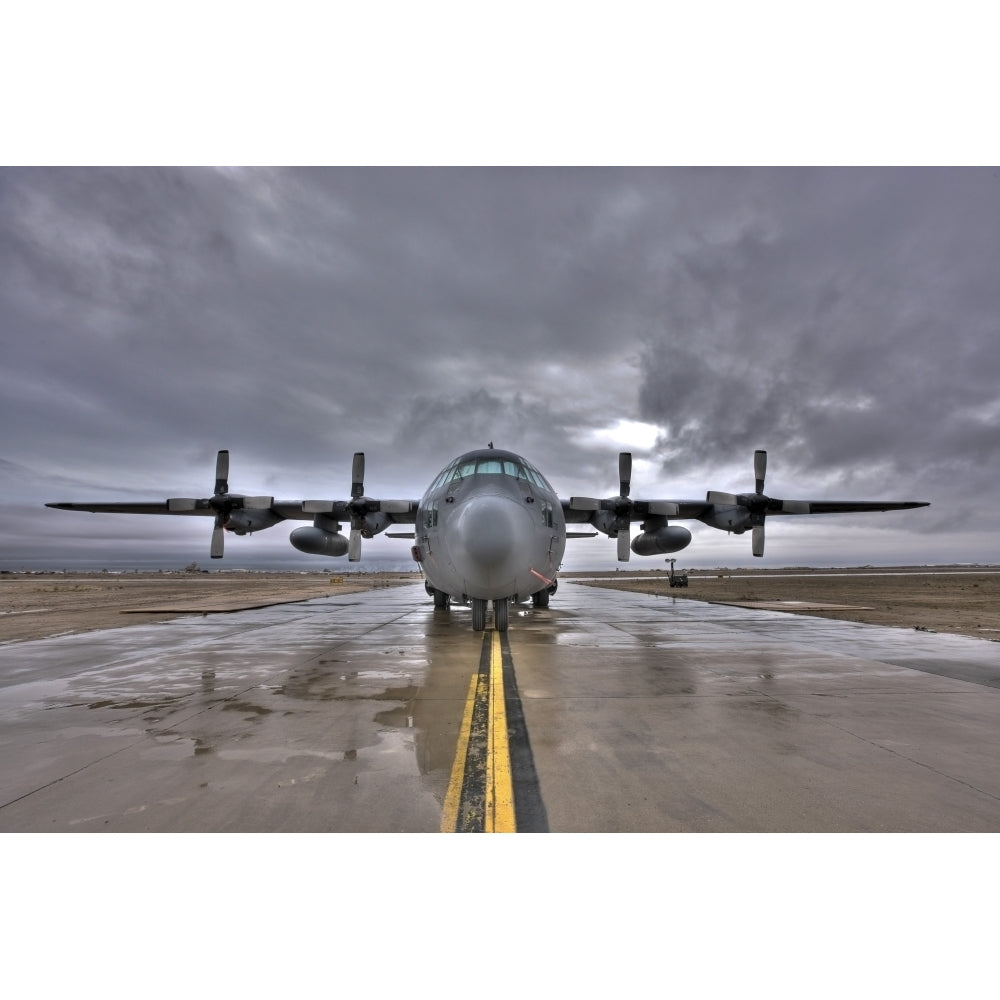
478, 614
501, 614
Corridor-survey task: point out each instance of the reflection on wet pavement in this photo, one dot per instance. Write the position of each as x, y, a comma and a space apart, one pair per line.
624, 712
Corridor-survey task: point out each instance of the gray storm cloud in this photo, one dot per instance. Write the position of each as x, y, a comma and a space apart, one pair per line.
844, 319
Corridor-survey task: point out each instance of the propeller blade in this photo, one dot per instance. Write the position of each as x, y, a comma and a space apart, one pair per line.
623, 545
181, 504
760, 468
584, 503
317, 506
354, 546
796, 507
257, 503
218, 539
358, 475
394, 506
222, 472
758, 539
665, 508
714, 496
625, 471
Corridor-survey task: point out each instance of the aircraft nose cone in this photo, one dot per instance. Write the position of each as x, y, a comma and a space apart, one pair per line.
491, 533
488, 529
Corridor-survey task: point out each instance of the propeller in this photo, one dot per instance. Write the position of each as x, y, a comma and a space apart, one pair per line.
757, 505
623, 508
221, 513
222, 502
758, 513
357, 508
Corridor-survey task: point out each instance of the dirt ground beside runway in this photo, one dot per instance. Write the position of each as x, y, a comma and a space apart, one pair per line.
960, 600
36, 605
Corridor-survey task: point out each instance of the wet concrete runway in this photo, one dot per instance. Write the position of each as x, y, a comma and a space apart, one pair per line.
624, 712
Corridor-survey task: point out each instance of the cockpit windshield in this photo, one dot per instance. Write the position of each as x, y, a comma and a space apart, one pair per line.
489, 466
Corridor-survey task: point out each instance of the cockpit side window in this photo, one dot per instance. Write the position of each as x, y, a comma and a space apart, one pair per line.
431, 516
537, 478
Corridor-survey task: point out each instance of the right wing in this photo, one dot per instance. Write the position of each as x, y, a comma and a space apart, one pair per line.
242, 515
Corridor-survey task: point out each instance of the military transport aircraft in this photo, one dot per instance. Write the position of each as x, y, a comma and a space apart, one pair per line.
489, 527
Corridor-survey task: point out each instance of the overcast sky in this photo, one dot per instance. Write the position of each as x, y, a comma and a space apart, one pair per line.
846, 320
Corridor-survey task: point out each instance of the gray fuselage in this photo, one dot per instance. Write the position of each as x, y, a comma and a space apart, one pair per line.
490, 527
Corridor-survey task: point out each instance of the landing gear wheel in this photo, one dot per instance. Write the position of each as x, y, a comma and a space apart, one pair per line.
441, 599
501, 614
478, 614
540, 599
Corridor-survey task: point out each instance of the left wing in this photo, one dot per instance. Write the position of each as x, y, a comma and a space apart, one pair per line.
725, 511
244, 514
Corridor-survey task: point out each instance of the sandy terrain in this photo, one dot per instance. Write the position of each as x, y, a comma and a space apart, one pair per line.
960, 600
956, 599
33, 606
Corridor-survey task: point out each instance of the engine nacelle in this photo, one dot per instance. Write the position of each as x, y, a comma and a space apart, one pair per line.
317, 542
243, 522
727, 517
669, 538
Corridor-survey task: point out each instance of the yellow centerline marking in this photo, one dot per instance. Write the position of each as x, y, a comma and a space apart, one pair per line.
482, 754
449, 818
499, 784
